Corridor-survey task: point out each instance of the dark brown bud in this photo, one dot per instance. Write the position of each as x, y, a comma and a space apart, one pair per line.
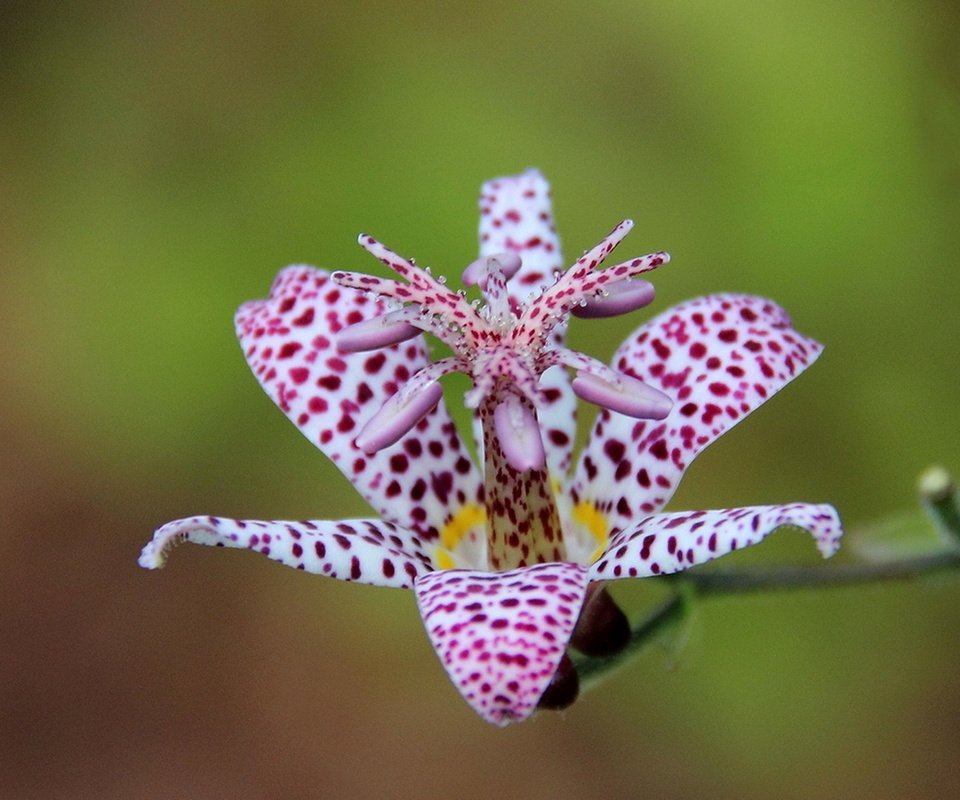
563, 687
602, 628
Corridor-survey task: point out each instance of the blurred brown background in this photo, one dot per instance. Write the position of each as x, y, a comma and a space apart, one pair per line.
159, 164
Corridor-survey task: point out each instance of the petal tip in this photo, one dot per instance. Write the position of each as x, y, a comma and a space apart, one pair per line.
828, 532
151, 557
154, 553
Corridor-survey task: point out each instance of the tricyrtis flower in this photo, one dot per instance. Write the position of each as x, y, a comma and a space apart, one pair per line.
502, 558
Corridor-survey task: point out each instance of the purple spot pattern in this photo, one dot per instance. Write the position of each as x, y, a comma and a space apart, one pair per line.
718, 357
360, 550
665, 543
500, 635
524, 527
288, 340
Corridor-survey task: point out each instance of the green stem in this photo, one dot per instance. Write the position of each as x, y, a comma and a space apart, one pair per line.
938, 493
729, 581
592, 670
689, 584
941, 500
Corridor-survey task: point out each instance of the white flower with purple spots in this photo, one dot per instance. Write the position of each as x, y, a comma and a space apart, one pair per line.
503, 558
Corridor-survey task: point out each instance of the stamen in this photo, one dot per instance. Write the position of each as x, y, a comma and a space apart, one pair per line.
631, 397
618, 298
507, 263
464, 327
398, 416
518, 433
582, 282
372, 334
491, 273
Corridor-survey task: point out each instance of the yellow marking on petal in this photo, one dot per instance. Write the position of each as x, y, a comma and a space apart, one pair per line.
587, 514
443, 559
460, 524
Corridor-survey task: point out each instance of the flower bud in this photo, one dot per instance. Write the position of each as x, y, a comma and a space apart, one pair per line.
563, 688
602, 628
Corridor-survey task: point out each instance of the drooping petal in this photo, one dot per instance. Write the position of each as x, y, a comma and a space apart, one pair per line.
516, 215
362, 550
718, 358
501, 635
420, 482
665, 543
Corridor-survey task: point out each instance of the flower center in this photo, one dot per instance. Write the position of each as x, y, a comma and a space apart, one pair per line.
504, 347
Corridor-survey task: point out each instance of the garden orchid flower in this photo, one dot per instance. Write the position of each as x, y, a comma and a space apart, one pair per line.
502, 558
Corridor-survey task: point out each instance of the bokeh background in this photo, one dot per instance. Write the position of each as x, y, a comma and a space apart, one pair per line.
160, 162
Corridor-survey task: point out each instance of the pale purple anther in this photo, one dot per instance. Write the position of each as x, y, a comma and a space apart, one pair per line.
382, 331
397, 417
632, 397
507, 263
619, 298
519, 434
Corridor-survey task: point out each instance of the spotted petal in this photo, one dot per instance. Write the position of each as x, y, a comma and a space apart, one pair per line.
421, 481
516, 215
501, 635
719, 358
361, 550
665, 543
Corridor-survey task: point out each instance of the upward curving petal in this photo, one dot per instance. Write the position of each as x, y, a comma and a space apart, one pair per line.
666, 543
718, 357
501, 635
420, 482
516, 216
362, 550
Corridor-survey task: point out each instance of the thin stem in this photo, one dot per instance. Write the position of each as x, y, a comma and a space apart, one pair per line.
689, 584
728, 581
938, 492
592, 670
941, 500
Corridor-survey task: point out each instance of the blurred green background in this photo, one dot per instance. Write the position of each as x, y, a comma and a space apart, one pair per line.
160, 162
